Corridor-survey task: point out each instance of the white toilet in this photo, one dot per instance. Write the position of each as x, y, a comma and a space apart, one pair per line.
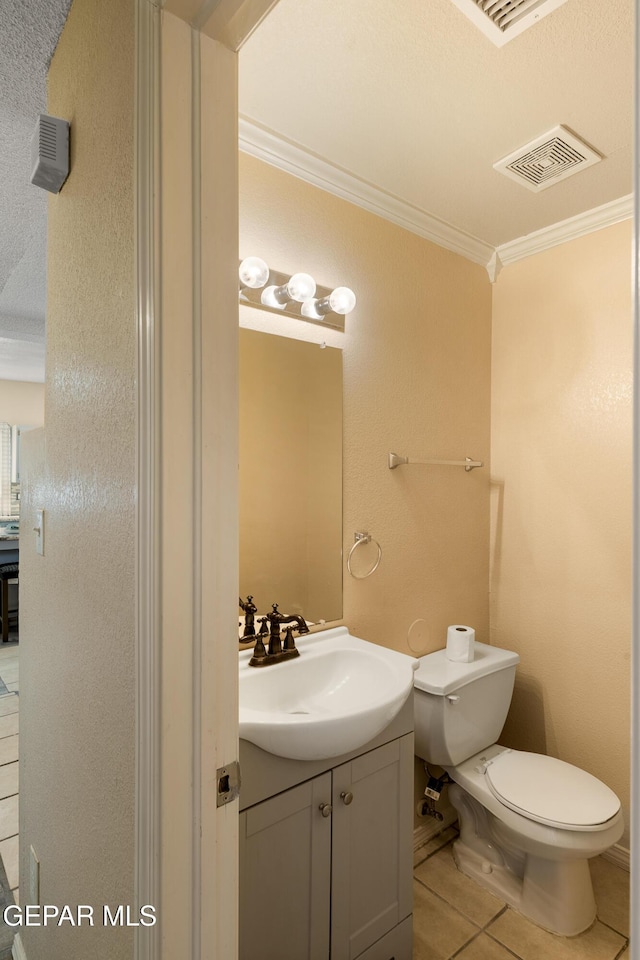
528, 823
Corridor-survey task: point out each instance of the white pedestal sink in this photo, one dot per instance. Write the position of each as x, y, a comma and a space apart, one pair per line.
339, 694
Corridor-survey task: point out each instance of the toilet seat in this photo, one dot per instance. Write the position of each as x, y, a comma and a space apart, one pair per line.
549, 790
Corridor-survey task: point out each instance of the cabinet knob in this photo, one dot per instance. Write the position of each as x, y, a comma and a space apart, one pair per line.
325, 809
346, 797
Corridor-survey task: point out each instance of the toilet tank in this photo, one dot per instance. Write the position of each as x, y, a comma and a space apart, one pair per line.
460, 708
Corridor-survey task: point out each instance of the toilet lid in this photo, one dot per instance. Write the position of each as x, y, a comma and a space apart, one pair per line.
549, 790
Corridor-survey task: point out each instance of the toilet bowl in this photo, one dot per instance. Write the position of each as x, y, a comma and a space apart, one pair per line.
528, 823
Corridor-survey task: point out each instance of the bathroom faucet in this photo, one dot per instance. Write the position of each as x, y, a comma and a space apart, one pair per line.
276, 652
276, 619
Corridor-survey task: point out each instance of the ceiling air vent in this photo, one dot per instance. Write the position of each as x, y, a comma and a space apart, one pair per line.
502, 20
550, 158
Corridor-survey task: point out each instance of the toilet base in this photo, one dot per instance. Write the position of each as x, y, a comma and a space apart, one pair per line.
557, 895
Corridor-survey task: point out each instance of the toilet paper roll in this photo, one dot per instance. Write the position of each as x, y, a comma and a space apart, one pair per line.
460, 643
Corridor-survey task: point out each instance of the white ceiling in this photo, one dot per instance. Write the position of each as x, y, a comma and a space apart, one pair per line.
411, 102
401, 106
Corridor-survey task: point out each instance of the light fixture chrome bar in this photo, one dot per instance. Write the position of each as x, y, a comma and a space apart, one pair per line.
467, 463
251, 297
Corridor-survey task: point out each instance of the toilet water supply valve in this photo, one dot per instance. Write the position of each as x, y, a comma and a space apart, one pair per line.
432, 791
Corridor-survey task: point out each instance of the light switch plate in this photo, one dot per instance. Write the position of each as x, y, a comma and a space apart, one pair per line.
39, 532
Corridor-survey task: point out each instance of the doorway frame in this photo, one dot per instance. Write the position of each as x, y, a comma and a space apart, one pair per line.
186, 859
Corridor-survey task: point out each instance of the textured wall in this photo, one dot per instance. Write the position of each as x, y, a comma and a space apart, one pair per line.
22, 402
561, 499
77, 602
416, 357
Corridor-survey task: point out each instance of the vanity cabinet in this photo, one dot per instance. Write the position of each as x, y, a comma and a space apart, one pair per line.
325, 866
285, 875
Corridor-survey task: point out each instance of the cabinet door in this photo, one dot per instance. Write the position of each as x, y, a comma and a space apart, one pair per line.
372, 847
285, 875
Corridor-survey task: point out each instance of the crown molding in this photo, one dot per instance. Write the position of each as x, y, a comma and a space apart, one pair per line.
604, 216
262, 143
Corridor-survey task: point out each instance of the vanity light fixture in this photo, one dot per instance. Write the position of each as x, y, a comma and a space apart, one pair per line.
296, 295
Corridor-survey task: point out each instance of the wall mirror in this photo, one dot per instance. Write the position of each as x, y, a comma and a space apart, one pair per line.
290, 477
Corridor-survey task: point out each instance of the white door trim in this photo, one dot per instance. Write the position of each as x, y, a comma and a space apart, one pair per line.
147, 800
634, 945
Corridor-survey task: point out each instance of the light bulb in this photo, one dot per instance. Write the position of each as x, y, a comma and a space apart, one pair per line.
341, 300
253, 273
299, 287
308, 309
269, 298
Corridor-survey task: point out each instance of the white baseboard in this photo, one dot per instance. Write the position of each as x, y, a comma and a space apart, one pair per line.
618, 855
17, 950
431, 828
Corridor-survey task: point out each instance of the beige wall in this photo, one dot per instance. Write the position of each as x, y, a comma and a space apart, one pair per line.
416, 380
416, 367
416, 356
561, 499
22, 402
77, 602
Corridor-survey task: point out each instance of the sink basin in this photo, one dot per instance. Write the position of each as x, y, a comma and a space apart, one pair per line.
337, 695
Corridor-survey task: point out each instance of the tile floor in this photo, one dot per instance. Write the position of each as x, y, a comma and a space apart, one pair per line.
454, 917
9, 702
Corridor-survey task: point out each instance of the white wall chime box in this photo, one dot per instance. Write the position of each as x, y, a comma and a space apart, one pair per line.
50, 153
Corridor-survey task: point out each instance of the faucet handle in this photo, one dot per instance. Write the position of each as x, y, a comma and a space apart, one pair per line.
259, 658
289, 642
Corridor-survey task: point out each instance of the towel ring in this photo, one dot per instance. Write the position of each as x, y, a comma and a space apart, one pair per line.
359, 539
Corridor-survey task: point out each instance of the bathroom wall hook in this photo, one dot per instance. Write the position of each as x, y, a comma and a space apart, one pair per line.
395, 461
